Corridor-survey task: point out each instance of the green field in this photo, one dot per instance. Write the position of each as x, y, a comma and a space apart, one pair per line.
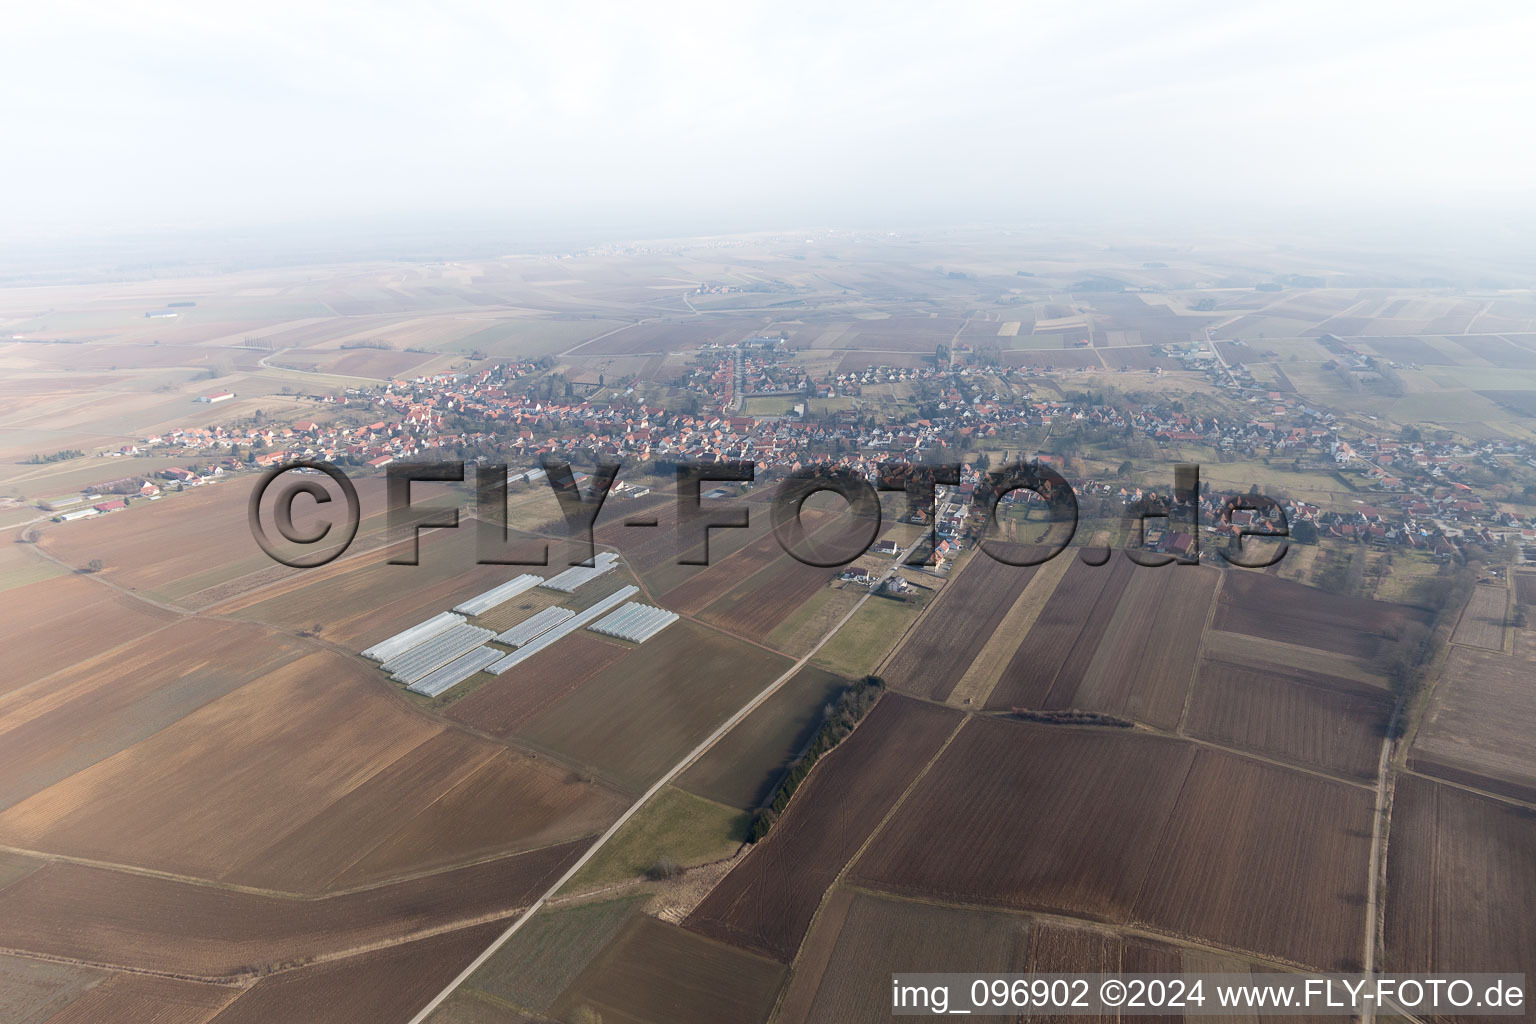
547, 954
874, 629
773, 406
686, 828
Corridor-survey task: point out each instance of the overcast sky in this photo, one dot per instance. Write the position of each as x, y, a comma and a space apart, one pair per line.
128, 115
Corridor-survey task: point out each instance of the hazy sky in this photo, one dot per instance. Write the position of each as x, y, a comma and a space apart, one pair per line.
128, 115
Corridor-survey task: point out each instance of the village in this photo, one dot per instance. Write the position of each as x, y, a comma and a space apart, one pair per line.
1419, 494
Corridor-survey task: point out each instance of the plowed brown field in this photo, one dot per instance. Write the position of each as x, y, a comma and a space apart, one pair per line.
766, 902
1461, 881
1262, 605
139, 922
942, 646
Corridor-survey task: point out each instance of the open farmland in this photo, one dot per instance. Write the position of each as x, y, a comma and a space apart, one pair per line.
193, 777
36, 646
866, 640
512, 803
1262, 605
1049, 663
362, 600
1142, 667
948, 638
1088, 783
657, 973
651, 547
634, 719
465, 1007
730, 570
1056, 357
307, 858
854, 362
654, 552
1525, 587
647, 338
146, 923
674, 824
1480, 727
759, 605
1058, 948
1461, 880
548, 953
97, 710
31, 991
1143, 829
877, 936
767, 901
1291, 715
805, 626
513, 699
913, 334
375, 363
390, 984
20, 567
742, 769
139, 997
1265, 859
1483, 619
1341, 670
189, 742
184, 543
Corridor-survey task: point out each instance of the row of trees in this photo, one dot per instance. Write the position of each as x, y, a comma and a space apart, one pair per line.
838, 720
59, 456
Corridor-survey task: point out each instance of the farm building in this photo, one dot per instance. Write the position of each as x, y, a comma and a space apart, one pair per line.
498, 595
534, 626
406, 639
634, 622
79, 513
418, 661
217, 396
566, 628
528, 476
443, 679
580, 575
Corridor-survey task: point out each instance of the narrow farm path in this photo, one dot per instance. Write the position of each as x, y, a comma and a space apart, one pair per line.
656, 787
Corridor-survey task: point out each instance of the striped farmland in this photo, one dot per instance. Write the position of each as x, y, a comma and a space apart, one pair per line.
439, 651
634, 622
455, 672
565, 628
417, 634
580, 575
533, 626
483, 603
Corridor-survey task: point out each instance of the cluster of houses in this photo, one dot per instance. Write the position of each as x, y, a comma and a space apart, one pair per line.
1422, 503
745, 372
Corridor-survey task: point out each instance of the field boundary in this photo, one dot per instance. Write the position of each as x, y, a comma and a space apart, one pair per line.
923, 615
975, 687
842, 873
656, 787
1194, 674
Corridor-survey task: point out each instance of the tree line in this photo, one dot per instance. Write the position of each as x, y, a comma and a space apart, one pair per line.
838, 721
